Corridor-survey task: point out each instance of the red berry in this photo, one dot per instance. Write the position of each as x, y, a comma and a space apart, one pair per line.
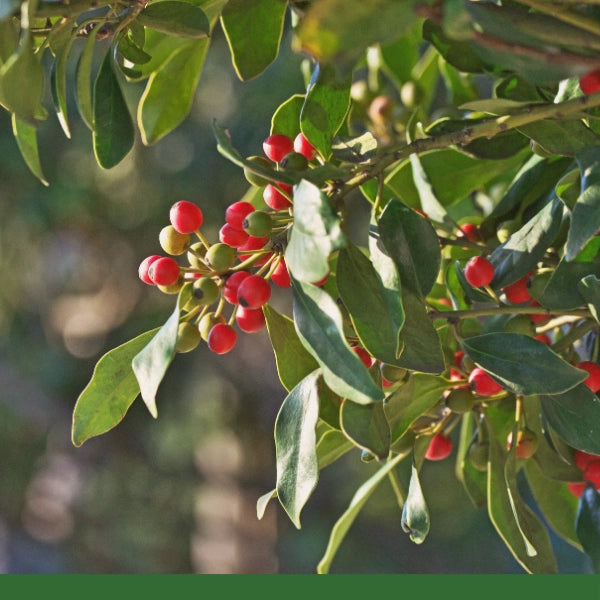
221, 338
590, 82
537, 318
583, 459
591, 472
527, 443
250, 320
479, 271
470, 231
144, 266
321, 281
232, 237
254, 291
364, 356
276, 146
253, 243
164, 271
232, 283
281, 276
236, 213
518, 292
593, 378
576, 488
274, 198
544, 338
185, 216
303, 146
439, 448
482, 384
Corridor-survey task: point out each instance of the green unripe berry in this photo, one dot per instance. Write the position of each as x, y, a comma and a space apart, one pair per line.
207, 322
196, 253
522, 324
205, 291
258, 224
253, 178
220, 257
188, 337
173, 242
477, 454
174, 288
460, 400
294, 161
392, 372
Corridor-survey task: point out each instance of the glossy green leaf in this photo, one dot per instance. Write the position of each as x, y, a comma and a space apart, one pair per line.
376, 321
110, 392
589, 288
575, 416
253, 29
26, 137
366, 425
113, 128
522, 364
295, 446
293, 361
332, 444
319, 325
415, 515
585, 216
181, 19
343, 524
588, 525
325, 107
316, 233
286, 119
83, 78
151, 363
562, 290
412, 243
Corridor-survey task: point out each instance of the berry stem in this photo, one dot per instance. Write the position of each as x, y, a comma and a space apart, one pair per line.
201, 237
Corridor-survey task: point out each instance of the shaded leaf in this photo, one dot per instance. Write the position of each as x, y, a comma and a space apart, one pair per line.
415, 515
181, 19
26, 137
588, 525
566, 138
589, 288
562, 290
332, 445
83, 78
366, 425
473, 480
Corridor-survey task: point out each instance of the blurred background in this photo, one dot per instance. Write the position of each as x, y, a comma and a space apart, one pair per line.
177, 494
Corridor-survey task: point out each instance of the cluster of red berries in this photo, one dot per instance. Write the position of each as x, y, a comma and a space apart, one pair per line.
590, 470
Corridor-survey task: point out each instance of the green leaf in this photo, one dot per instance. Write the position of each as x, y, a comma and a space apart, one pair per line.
562, 290
415, 515
293, 362
355, 149
59, 83
316, 233
412, 243
295, 446
83, 78
152, 362
110, 392
8, 8
575, 415
588, 525
585, 216
473, 480
319, 325
332, 444
112, 124
253, 29
180, 19
343, 524
399, 57
366, 425
522, 364
9, 37
325, 107
567, 138
262, 503
26, 137
589, 288
377, 321
286, 119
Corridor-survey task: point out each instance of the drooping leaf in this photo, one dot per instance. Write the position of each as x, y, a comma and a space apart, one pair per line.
319, 325
588, 525
181, 19
522, 364
83, 78
295, 446
26, 137
292, 359
263, 502
109, 393
415, 515
113, 130
253, 29
315, 234
366, 425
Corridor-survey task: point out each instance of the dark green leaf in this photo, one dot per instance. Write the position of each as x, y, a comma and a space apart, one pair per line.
319, 325
295, 446
286, 119
588, 525
112, 124
316, 233
522, 364
566, 138
366, 425
415, 515
83, 78
253, 30
110, 392
26, 136
293, 362
562, 290
180, 19
589, 288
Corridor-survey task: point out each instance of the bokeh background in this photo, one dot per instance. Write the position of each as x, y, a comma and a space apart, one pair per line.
176, 494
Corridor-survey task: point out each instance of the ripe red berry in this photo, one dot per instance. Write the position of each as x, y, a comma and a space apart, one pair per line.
470, 231
576, 488
303, 146
232, 283
590, 82
186, 217
537, 318
281, 276
593, 378
232, 237
544, 338
518, 292
274, 198
253, 243
582, 459
482, 384
527, 443
164, 271
144, 266
591, 473
253, 292
439, 448
236, 213
276, 146
221, 338
479, 271
364, 356
250, 320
